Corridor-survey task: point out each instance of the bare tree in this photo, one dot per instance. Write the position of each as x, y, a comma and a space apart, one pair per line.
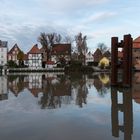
58, 38
68, 39
81, 43
43, 40
47, 41
103, 48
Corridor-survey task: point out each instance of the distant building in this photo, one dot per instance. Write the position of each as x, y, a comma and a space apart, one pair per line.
89, 58
13, 53
107, 54
97, 56
136, 53
35, 57
3, 52
61, 51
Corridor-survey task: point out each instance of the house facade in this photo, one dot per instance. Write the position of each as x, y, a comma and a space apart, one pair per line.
13, 54
97, 56
136, 53
89, 58
3, 52
34, 57
61, 52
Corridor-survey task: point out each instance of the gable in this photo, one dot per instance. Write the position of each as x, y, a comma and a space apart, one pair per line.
34, 50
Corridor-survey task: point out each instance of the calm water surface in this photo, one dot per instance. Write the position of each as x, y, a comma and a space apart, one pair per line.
63, 107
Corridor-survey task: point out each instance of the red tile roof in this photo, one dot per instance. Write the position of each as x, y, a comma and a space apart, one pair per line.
61, 49
34, 50
137, 40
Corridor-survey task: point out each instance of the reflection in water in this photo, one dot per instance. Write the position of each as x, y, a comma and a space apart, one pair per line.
102, 83
55, 90
3, 88
124, 107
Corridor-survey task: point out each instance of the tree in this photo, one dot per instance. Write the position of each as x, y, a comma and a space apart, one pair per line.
20, 57
68, 39
81, 44
58, 38
11, 64
103, 48
47, 40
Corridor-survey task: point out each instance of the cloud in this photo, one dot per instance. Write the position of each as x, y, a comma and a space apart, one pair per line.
100, 17
66, 6
25, 35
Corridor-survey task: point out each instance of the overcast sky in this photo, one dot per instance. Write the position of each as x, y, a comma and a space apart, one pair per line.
22, 21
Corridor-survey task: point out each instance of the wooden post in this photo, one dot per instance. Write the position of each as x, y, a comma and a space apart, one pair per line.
127, 61
126, 45
114, 60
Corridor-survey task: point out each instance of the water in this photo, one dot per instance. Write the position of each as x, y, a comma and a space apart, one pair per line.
63, 107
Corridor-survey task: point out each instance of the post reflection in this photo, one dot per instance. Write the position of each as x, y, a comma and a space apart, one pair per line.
125, 107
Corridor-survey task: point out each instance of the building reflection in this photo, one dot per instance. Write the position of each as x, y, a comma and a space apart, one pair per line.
125, 107
102, 83
56, 91
16, 84
3, 88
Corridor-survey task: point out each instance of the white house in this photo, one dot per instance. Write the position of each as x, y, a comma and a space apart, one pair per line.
35, 57
35, 84
89, 58
3, 52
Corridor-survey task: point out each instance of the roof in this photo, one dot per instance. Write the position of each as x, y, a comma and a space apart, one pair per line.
50, 62
13, 48
97, 52
137, 40
34, 50
107, 54
61, 49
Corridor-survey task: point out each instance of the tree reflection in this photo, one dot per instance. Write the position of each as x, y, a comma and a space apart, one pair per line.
57, 90
54, 91
82, 93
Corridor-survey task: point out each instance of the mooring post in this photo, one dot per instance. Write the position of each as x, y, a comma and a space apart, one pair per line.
114, 60
126, 45
127, 61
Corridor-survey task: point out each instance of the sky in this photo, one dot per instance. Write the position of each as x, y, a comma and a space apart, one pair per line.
22, 21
